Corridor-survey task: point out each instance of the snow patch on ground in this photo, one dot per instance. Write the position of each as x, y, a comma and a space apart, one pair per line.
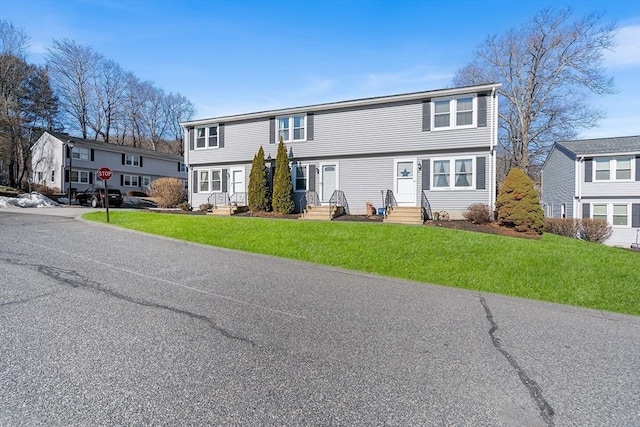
28, 200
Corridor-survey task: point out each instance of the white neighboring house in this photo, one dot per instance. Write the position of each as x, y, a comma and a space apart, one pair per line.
132, 168
595, 178
433, 150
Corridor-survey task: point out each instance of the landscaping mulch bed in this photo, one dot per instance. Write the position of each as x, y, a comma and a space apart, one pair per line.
491, 228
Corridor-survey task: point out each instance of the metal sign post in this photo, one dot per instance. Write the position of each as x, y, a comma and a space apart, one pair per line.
105, 175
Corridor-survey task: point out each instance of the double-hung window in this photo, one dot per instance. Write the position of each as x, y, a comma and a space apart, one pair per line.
78, 153
210, 180
131, 180
454, 112
616, 214
453, 173
207, 137
613, 169
80, 177
300, 177
131, 160
291, 128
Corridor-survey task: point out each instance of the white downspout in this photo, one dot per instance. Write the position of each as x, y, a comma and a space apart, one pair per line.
494, 135
579, 167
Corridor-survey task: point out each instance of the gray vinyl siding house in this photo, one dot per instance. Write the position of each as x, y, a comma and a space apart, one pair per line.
132, 168
596, 178
438, 143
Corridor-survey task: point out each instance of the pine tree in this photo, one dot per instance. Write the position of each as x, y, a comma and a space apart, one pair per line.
518, 205
282, 186
258, 186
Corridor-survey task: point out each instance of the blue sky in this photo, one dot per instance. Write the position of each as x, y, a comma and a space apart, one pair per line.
243, 56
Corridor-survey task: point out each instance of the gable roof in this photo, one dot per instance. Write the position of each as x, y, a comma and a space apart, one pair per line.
603, 146
355, 103
105, 146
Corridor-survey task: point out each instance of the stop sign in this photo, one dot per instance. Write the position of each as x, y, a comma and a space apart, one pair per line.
104, 173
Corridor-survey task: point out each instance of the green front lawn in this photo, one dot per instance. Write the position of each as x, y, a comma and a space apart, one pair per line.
555, 269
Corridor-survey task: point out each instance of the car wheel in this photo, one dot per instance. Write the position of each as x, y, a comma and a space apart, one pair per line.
94, 202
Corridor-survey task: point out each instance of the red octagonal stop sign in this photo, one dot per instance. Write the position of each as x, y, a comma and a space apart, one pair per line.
104, 174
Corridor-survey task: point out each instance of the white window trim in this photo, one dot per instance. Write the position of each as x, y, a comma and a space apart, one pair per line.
452, 173
294, 174
210, 180
453, 112
291, 128
613, 163
81, 152
132, 160
206, 138
130, 179
79, 173
609, 206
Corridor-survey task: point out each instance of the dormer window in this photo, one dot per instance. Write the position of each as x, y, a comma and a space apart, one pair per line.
207, 137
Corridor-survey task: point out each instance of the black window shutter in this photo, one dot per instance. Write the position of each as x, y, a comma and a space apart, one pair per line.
140, 161
123, 158
482, 110
635, 215
426, 115
310, 125
66, 175
638, 168
426, 174
91, 176
139, 181
194, 182
191, 134
312, 177
92, 156
121, 180
480, 173
272, 130
68, 151
178, 166
588, 170
221, 136
224, 180
586, 211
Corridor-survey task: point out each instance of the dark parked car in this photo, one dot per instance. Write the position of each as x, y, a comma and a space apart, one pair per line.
95, 197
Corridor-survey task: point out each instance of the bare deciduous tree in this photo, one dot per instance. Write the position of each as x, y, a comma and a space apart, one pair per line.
27, 104
72, 68
548, 69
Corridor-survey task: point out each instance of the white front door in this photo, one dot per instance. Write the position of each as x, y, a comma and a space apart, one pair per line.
405, 182
328, 181
237, 181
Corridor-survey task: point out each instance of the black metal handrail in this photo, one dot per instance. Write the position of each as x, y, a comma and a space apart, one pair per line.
338, 198
388, 201
217, 199
309, 198
426, 207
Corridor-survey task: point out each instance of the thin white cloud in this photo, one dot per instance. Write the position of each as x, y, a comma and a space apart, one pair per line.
318, 85
627, 51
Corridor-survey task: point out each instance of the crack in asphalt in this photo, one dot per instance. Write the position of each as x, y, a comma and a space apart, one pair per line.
546, 411
24, 301
75, 280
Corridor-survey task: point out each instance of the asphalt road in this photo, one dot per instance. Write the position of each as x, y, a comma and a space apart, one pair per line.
102, 326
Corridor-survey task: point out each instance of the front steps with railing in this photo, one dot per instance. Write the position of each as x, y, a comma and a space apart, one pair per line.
227, 210
321, 212
404, 215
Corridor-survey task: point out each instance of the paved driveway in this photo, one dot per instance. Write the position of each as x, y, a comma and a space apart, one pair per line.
106, 326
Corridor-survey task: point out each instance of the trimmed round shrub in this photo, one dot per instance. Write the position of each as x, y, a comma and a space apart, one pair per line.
518, 205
